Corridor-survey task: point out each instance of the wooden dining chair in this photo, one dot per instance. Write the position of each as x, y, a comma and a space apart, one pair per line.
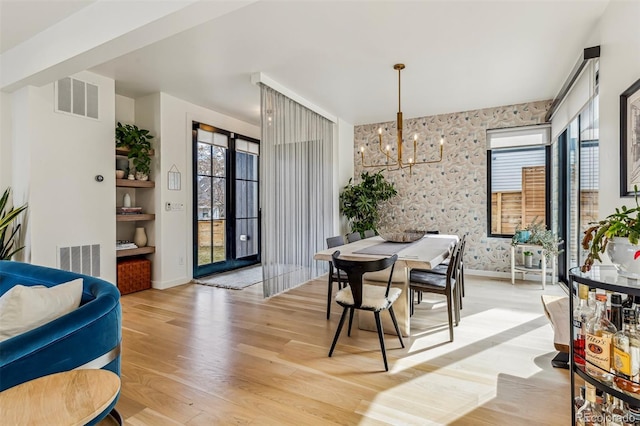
369, 233
354, 236
459, 275
365, 296
423, 280
334, 277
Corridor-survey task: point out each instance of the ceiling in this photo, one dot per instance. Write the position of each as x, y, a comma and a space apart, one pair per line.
459, 55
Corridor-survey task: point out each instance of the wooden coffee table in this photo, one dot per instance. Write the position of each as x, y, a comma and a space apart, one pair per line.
71, 398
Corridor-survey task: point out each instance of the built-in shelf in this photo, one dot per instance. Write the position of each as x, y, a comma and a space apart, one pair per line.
125, 151
135, 251
126, 183
135, 217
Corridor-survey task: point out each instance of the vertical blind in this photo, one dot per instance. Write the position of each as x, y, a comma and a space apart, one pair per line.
296, 191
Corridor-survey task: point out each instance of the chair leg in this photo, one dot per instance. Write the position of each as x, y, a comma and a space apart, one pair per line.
381, 337
395, 324
462, 279
412, 298
329, 294
456, 306
450, 309
335, 338
350, 320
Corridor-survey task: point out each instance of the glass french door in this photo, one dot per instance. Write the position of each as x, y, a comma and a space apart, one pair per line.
226, 219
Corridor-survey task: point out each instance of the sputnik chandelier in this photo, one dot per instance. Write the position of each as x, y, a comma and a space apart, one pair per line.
398, 163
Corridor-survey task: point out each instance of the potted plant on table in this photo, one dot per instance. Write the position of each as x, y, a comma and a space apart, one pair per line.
618, 235
359, 203
536, 233
138, 142
528, 259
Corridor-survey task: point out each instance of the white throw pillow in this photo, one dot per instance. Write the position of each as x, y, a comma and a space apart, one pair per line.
24, 308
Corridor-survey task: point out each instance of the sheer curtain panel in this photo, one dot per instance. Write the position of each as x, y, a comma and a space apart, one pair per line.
296, 191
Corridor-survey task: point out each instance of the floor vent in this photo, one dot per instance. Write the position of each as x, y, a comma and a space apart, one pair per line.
76, 97
80, 259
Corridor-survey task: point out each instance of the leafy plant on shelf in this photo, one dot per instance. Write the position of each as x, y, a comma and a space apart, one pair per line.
359, 203
540, 236
138, 141
625, 222
9, 230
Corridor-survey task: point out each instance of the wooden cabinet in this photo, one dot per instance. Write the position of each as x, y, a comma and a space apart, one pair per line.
540, 264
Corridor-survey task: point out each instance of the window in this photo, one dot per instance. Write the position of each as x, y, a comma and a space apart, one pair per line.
518, 176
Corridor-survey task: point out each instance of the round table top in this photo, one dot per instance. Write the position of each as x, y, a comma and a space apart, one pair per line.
68, 398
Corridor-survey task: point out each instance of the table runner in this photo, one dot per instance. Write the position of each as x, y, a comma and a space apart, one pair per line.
385, 248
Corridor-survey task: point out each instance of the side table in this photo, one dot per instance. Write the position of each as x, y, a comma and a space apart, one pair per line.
71, 398
519, 267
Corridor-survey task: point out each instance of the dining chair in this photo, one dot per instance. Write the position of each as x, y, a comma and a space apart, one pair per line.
354, 236
333, 273
423, 280
365, 296
442, 268
369, 233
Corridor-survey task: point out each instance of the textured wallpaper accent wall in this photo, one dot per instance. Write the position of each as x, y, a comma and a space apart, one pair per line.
450, 196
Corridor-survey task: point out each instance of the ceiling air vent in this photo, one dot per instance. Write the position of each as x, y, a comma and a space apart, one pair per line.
76, 97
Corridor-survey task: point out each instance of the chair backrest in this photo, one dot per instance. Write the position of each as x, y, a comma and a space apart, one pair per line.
454, 263
356, 268
335, 241
369, 233
354, 236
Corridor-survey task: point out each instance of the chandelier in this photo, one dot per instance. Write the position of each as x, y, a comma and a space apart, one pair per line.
398, 163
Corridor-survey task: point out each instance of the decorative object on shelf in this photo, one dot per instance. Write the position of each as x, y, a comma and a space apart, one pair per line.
398, 163
122, 163
629, 139
359, 203
140, 237
174, 179
131, 177
119, 174
623, 251
126, 200
528, 259
538, 234
138, 141
9, 230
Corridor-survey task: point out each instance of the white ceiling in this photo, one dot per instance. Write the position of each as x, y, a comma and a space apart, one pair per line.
460, 55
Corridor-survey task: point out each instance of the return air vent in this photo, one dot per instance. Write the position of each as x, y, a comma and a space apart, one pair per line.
80, 259
76, 97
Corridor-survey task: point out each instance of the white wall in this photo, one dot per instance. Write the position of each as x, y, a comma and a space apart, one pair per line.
125, 110
619, 68
55, 160
5, 141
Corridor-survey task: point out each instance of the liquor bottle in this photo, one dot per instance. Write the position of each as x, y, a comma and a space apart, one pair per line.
581, 314
626, 355
598, 339
616, 414
616, 310
590, 414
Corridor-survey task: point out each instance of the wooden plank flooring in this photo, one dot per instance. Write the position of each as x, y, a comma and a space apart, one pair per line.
197, 355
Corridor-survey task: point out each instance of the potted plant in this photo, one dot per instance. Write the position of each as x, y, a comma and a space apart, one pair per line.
9, 231
528, 259
359, 203
618, 234
138, 142
538, 234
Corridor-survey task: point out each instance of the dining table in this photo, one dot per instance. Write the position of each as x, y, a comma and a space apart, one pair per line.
424, 253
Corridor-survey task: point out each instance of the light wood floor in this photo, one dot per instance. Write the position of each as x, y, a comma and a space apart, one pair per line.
198, 355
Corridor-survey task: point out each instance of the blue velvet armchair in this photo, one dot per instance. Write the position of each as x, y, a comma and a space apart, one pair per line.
88, 337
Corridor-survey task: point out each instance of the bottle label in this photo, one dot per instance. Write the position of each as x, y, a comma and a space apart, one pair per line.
598, 350
622, 361
577, 328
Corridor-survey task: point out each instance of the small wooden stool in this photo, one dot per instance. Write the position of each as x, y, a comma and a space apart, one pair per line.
557, 310
69, 398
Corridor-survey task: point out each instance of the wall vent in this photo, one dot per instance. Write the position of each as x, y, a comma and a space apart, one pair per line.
76, 97
80, 259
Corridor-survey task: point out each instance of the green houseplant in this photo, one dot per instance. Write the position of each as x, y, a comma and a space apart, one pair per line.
9, 231
138, 142
359, 203
622, 225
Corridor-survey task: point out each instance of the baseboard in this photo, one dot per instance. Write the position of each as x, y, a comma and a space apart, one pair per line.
163, 285
497, 274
